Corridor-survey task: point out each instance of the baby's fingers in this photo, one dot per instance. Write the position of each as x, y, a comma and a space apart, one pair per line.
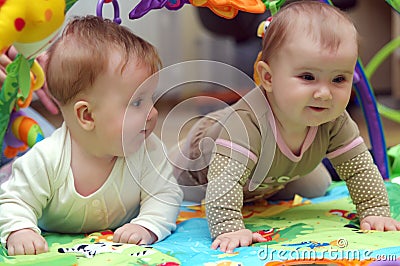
378, 226
124, 236
146, 239
392, 225
117, 235
2, 74
365, 226
224, 244
21, 249
258, 238
228, 245
13, 250
40, 246
134, 238
215, 243
121, 236
4, 60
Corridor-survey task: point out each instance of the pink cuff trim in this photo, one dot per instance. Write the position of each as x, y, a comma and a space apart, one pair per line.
238, 148
346, 148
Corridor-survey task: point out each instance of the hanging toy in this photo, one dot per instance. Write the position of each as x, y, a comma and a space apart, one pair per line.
225, 9
99, 9
29, 26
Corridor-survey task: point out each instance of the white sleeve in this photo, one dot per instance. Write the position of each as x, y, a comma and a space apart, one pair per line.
24, 196
161, 196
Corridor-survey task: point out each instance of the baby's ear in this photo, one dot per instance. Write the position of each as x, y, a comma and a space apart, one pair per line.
83, 115
264, 73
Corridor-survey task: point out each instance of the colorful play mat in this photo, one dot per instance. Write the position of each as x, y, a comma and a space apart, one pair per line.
321, 231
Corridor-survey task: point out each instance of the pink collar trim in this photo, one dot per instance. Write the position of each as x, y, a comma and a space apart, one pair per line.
312, 132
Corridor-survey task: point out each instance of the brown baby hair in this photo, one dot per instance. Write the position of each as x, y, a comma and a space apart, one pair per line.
81, 54
320, 21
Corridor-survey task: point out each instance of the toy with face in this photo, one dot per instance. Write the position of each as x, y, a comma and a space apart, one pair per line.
29, 25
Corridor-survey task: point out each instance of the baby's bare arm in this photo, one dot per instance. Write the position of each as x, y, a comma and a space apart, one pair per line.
26, 242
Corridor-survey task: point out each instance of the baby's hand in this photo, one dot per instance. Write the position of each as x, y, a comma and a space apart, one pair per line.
227, 242
26, 242
379, 223
134, 234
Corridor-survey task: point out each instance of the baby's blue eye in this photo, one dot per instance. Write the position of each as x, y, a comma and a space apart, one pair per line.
137, 103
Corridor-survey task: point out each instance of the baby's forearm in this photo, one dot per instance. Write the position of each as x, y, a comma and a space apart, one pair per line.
366, 186
224, 197
223, 219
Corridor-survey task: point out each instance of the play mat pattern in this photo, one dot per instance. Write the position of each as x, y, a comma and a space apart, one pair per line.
322, 230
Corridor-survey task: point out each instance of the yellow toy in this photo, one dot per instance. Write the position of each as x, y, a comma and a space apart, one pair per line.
29, 25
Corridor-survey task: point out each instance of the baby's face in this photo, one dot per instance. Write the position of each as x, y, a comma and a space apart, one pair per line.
123, 108
311, 85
